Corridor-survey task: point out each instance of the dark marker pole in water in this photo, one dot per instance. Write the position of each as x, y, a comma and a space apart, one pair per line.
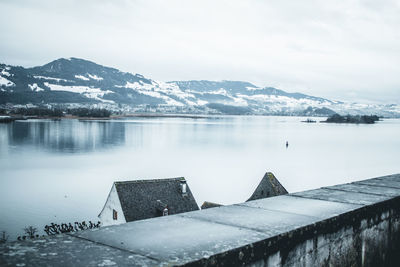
287, 144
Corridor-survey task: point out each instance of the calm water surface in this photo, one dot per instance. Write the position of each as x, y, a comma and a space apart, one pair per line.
62, 171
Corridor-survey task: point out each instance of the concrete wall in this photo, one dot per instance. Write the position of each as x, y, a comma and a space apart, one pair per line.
356, 224
364, 239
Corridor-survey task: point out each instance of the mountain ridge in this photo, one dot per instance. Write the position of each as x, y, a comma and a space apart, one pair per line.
80, 81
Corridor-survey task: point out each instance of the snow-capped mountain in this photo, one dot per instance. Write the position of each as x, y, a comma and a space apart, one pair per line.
76, 80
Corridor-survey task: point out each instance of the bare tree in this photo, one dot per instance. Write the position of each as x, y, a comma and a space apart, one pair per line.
30, 231
3, 237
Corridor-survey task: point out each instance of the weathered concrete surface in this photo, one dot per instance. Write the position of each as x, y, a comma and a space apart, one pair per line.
174, 239
305, 206
267, 221
368, 189
355, 224
392, 177
335, 195
380, 182
64, 250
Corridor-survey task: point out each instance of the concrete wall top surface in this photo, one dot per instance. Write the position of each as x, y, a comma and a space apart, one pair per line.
197, 237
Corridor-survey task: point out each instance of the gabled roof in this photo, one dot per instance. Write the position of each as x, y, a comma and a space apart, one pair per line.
141, 199
268, 187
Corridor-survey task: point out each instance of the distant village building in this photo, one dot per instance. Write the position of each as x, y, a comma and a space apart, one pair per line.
269, 186
142, 199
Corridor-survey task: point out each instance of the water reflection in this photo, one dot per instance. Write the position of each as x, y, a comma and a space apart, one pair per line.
78, 136
66, 135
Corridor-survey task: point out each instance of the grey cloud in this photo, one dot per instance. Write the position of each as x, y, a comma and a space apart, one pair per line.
320, 47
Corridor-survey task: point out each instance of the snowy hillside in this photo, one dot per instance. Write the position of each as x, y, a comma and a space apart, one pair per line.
76, 80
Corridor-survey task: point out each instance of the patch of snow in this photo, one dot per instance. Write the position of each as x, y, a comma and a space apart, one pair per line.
153, 90
82, 77
6, 82
152, 93
240, 101
39, 241
282, 100
106, 263
253, 88
171, 88
201, 102
95, 93
138, 86
51, 78
278, 103
95, 77
191, 103
5, 72
167, 92
221, 91
34, 87
258, 98
168, 100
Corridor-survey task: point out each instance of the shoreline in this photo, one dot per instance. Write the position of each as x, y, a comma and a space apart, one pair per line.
15, 117
163, 115
11, 118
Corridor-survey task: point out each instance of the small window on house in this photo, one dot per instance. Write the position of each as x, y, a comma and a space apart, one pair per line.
115, 215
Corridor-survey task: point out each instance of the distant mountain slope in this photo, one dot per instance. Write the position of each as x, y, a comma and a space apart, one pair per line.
72, 80
239, 87
75, 80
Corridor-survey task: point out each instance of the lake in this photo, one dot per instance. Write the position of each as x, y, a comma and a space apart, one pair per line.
62, 171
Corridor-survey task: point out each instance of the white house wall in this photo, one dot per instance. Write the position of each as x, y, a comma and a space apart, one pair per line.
112, 203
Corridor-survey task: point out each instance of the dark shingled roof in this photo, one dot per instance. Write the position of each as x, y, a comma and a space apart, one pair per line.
268, 187
141, 199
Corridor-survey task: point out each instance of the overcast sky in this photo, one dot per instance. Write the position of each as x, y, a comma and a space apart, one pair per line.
343, 50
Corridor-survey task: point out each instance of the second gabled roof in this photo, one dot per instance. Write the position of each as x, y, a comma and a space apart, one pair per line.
268, 187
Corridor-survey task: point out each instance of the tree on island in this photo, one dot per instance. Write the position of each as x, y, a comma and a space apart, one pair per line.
336, 118
92, 112
48, 112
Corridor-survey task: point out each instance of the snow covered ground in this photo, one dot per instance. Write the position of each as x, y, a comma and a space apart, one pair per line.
95, 93
5, 82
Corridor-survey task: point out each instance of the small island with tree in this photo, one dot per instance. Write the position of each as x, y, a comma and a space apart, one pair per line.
365, 119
